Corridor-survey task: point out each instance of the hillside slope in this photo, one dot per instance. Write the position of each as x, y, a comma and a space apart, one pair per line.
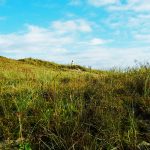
44, 105
53, 65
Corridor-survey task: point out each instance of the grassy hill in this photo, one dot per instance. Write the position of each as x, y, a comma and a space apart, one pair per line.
45, 105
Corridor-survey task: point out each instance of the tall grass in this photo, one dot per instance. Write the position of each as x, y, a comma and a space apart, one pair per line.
44, 106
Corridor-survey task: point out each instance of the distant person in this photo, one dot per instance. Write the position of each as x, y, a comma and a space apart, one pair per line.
72, 63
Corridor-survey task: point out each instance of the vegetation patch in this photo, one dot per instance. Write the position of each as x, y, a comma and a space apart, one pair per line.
45, 105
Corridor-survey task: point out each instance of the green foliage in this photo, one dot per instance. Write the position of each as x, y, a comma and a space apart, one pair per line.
50, 106
24, 146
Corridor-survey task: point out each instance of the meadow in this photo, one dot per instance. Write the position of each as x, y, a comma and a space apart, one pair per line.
48, 106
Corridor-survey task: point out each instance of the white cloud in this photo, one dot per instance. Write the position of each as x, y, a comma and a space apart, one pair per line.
117, 5
98, 3
133, 5
97, 41
45, 36
92, 42
58, 33
145, 38
2, 18
75, 2
72, 26
53, 42
104, 58
139, 5
125, 27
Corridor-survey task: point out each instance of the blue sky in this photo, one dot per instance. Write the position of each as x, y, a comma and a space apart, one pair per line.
97, 33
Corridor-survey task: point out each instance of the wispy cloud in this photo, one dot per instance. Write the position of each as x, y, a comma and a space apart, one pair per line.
2, 2
144, 38
133, 5
80, 25
99, 3
75, 2
2, 18
97, 41
55, 42
128, 28
118, 5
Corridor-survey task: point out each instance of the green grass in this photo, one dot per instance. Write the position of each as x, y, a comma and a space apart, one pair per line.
45, 105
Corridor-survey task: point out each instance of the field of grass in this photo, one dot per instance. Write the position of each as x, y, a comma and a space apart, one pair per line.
47, 106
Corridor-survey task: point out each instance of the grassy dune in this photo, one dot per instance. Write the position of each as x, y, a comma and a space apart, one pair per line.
46, 106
